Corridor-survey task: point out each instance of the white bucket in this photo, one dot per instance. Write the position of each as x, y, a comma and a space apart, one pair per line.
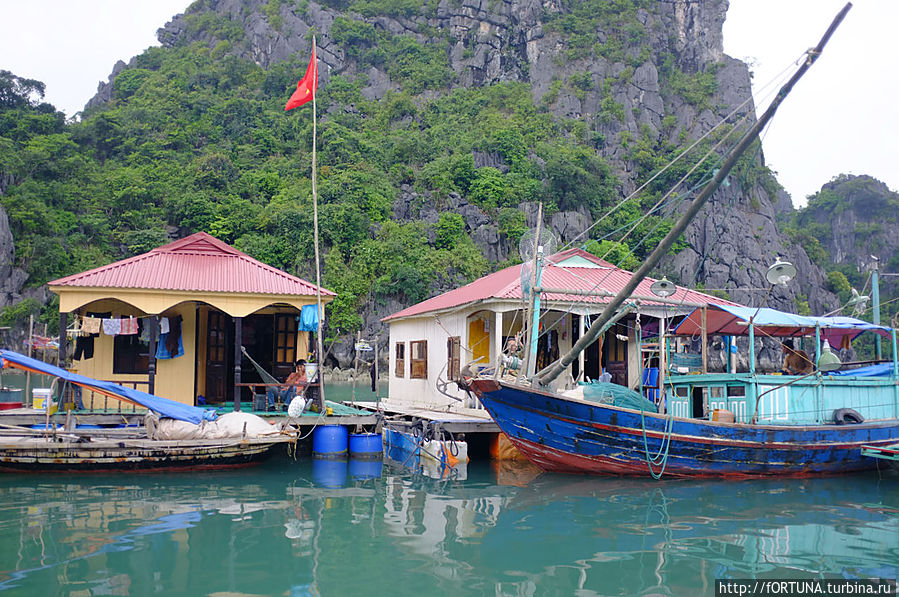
40, 397
311, 369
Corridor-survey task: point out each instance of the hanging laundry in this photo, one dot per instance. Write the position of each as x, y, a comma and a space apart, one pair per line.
143, 326
84, 348
162, 350
309, 318
112, 326
164, 326
90, 325
173, 340
128, 326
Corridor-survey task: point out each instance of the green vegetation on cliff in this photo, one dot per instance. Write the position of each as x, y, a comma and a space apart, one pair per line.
196, 138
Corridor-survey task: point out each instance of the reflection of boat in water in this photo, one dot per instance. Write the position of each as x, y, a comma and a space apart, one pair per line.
436, 457
777, 528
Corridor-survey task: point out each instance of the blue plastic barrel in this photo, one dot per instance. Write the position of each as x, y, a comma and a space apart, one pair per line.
366, 445
366, 468
329, 441
80, 426
329, 472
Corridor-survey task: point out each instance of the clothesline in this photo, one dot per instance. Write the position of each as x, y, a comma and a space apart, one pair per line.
117, 326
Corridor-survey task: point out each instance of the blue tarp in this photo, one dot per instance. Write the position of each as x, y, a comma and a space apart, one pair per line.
879, 370
163, 406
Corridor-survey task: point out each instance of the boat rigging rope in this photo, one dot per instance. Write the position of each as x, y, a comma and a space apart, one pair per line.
660, 459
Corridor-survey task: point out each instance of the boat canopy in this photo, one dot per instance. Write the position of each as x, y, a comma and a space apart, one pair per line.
163, 406
729, 320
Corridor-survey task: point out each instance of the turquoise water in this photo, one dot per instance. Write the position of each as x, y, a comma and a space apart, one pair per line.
332, 528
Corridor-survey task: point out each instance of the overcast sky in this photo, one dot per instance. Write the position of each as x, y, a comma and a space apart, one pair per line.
841, 118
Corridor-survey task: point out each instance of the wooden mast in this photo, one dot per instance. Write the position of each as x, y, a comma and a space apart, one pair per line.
551, 372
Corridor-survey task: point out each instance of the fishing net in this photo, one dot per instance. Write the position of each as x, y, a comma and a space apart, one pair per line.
616, 395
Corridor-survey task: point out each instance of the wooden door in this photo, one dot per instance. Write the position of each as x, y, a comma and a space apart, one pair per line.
285, 345
219, 365
479, 341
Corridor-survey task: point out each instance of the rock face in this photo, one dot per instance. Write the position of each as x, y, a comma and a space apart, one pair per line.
856, 219
12, 279
729, 245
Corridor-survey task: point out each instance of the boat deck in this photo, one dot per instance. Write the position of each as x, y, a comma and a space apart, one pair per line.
469, 421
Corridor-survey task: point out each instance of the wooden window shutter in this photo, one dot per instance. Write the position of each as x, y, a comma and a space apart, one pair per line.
400, 366
453, 348
419, 362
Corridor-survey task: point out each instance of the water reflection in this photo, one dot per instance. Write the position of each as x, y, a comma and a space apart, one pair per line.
378, 527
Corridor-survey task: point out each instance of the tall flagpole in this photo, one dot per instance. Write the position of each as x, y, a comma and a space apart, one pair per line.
318, 276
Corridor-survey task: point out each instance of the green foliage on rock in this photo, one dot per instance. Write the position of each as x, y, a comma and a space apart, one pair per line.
196, 139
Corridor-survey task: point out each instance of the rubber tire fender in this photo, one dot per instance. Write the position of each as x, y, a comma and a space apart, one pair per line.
842, 416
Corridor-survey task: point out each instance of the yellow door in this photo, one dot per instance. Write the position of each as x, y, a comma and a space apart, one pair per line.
479, 341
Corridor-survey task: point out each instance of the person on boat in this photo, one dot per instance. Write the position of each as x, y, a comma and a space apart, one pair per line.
295, 382
796, 361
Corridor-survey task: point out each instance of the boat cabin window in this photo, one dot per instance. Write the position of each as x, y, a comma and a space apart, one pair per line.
736, 391
418, 359
682, 391
453, 352
400, 359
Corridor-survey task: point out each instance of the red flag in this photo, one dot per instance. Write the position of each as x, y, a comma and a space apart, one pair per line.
306, 87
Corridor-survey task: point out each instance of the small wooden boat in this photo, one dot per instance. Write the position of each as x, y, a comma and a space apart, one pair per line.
72, 454
92, 450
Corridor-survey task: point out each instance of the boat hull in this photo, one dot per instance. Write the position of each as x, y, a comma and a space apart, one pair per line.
41, 456
574, 436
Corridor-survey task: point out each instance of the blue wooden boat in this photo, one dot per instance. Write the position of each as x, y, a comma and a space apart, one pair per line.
571, 435
781, 424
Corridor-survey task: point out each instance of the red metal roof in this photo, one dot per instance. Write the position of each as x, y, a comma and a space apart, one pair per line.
597, 276
197, 263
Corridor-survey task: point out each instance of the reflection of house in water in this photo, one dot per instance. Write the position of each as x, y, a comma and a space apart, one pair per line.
188, 307
431, 342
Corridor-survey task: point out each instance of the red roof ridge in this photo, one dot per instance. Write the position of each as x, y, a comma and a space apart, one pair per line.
200, 242
488, 287
133, 272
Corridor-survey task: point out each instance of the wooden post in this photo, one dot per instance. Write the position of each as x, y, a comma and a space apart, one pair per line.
581, 357
377, 378
28, 399
151, 365
705, 341
355, 366
238, 340
61, 353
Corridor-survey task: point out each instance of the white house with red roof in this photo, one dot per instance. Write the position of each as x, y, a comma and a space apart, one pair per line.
212, 296
432, 341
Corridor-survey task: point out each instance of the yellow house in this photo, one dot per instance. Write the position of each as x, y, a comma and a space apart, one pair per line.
186, 309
